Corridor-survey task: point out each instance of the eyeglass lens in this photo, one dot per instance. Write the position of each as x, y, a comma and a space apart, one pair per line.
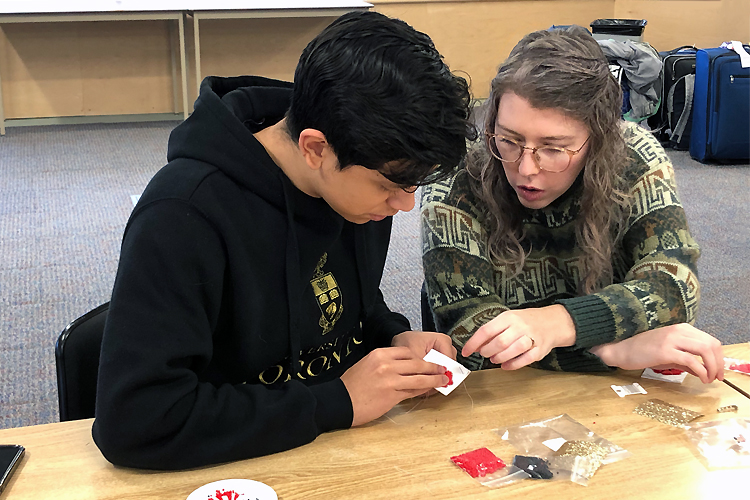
549, 158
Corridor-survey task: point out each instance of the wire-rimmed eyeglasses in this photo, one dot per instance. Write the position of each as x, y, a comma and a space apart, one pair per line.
550, 158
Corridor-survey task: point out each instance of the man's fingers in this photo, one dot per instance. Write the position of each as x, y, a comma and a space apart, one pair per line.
420, 383
445, 346
397, 353
415, 366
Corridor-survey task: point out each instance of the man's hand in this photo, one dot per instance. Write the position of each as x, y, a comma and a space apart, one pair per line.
421, 342
680, 346
385, 377
519, 337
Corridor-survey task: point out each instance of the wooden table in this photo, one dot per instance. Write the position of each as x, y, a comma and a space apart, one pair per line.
405, 455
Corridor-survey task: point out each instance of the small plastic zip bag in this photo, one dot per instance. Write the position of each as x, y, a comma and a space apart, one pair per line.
723, 443
737, 365
488, 469
572, 451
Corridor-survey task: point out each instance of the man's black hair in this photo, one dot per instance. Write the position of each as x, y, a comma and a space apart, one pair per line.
382, 95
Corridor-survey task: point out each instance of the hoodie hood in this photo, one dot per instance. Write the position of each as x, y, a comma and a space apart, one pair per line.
220, 130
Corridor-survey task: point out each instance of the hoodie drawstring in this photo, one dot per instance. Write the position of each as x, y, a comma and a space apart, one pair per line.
362, 257
292, 277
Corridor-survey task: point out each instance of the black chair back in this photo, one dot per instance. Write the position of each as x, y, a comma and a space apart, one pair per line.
428, 322
77, 361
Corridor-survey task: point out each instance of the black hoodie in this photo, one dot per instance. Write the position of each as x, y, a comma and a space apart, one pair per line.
229, 276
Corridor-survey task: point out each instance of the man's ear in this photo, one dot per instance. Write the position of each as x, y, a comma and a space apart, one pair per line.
314, 147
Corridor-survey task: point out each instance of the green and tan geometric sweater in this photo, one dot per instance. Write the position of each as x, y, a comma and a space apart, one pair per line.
657, 286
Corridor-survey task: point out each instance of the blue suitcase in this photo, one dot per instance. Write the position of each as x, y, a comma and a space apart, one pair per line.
721, 107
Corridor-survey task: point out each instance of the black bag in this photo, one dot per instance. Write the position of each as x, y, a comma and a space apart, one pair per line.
673, 122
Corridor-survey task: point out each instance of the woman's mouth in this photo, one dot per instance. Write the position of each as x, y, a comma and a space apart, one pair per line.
529, 193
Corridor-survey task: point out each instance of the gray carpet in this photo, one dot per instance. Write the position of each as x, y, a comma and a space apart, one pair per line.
66, 195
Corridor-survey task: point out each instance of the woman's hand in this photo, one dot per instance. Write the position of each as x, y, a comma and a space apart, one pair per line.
518, 337
680, 346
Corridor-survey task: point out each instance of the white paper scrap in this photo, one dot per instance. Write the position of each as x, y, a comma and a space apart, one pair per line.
677, 379
627, 390
458, 371
554, 444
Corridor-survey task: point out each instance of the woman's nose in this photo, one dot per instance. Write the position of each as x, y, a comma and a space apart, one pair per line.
527, 164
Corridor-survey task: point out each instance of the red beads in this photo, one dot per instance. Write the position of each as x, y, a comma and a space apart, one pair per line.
478, 463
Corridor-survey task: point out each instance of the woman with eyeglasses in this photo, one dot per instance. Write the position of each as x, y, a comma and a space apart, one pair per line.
562, 241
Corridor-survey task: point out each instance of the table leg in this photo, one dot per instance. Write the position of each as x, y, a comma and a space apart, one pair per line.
197, 36
173, 64
2, 109
183, 67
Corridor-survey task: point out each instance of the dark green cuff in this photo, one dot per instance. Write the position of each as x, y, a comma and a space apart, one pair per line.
570, 359
593, 319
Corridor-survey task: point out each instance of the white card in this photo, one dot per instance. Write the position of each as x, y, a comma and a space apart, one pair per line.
459, 371
677, 379
628, 390
554, 444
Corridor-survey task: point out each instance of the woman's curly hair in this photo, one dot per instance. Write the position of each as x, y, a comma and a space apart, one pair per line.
563, 70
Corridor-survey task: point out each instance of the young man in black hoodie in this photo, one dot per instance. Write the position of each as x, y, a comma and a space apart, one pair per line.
246, 316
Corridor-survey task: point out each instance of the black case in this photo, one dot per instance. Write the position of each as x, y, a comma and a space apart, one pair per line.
669, 124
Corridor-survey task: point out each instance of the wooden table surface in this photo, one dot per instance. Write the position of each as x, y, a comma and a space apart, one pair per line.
405, 454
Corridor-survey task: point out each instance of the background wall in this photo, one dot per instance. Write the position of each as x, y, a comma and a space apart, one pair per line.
703, 23
103, 68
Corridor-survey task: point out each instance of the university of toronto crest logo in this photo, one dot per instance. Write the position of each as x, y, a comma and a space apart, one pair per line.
328, 296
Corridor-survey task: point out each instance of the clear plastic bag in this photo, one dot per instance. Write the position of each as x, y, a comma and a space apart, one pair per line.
572, 450
723, 443
505, 476
737, 365
488, 469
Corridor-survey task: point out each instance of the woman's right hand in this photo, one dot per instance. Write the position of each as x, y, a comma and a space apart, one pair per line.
518, 337
679, 346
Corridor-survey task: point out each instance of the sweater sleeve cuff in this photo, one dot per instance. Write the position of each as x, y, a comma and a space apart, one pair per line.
593, 319
386, 328
571, 359
334, 406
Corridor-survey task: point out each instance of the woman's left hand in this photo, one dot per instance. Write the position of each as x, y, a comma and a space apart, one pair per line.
519, 337
680, 346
